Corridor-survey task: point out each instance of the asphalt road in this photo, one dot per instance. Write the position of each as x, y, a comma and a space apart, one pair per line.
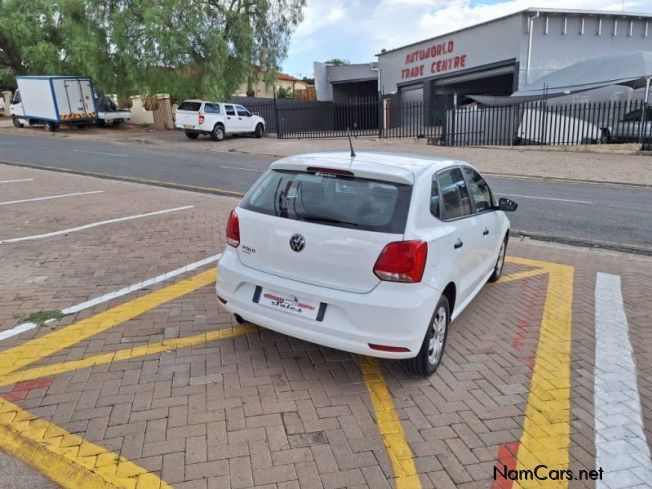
614, 216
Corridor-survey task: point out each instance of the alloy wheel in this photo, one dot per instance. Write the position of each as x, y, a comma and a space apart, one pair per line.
436, 343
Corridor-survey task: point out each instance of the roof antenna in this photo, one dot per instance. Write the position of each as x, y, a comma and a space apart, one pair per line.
351, 143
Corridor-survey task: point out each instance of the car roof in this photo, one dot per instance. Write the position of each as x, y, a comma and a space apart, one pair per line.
207, 101
371, 164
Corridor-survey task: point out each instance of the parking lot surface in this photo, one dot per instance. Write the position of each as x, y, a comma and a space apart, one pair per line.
118, 369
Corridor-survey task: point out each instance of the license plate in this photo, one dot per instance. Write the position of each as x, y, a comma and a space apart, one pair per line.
188, 126
288, 303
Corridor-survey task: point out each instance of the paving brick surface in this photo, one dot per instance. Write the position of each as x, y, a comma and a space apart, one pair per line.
262, 409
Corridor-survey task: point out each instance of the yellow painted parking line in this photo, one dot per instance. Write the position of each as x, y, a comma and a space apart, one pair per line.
31, 351
521, 275
389, 425
126, 354
546, 427
68, 459
546, 430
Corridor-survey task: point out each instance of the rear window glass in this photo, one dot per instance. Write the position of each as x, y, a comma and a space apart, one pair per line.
341, 201
190, 106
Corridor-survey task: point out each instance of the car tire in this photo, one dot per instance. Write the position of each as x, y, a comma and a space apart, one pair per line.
258, 133
500, 262
217, 134
192, 135
16, 122
50, 126
434, 342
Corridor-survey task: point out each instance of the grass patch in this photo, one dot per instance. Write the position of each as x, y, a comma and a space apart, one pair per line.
42, 317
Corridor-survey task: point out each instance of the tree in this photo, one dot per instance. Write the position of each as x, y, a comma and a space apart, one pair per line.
188, 48
284, 93
337, 62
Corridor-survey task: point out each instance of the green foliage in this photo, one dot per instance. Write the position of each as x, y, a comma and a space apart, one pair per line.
187, 48
284, 93
337, 62
42, 317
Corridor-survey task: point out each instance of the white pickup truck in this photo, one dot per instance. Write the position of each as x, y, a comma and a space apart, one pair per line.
217, 120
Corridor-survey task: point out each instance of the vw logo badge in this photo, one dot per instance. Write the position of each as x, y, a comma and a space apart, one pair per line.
297, 243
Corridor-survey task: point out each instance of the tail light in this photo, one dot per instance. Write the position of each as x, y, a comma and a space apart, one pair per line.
402, 261
201, 118
233, 230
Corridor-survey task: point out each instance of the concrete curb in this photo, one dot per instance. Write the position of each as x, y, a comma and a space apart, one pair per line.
573, 241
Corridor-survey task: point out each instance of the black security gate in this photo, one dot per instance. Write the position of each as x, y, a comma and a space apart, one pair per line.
442, 121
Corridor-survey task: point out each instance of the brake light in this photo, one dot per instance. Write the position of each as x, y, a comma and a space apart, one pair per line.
201, 118
402, 261
329, 171
233, 230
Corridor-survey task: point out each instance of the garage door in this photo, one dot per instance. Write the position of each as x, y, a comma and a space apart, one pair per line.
412, 106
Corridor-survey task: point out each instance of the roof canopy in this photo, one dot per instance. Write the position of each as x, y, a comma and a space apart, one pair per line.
614, 69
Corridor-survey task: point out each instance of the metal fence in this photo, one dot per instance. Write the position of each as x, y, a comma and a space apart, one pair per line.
544, 122
315, 119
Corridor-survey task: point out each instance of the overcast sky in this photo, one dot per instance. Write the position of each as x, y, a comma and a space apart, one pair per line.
358, 29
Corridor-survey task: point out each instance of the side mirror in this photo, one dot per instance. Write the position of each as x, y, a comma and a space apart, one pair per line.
507, 205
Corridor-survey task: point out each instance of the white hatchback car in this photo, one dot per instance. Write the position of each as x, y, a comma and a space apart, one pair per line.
372, 254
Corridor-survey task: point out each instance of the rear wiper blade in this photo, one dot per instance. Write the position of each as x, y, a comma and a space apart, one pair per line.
312, 218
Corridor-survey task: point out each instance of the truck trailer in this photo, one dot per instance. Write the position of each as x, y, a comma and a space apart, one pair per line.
56, 100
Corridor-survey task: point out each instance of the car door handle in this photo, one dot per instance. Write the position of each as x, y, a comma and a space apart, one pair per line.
458, 244
485, 232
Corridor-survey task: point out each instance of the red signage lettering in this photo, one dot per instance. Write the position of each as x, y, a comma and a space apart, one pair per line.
430, 52
444, 63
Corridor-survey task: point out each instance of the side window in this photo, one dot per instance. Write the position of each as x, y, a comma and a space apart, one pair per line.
16, 99
434, 198
479, 190
229, 110
212, 108
242, 112
454, 194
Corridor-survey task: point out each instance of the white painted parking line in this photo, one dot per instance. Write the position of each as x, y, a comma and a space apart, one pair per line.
547, 198
94, 224
102, 153
240, 168
21, 328
17, 180
621, 447
50, 197
7, 143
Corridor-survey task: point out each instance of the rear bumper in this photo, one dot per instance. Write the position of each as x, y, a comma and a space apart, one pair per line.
191, 129
391, 314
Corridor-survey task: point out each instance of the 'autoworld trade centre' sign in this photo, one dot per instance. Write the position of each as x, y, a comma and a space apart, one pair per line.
433, 59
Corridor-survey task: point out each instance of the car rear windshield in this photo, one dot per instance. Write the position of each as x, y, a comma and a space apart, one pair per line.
190, 106
333, 200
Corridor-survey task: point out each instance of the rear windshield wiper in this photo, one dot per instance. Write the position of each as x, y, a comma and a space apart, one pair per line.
331, 220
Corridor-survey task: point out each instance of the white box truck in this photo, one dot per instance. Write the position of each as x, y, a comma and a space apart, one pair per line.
56, 100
